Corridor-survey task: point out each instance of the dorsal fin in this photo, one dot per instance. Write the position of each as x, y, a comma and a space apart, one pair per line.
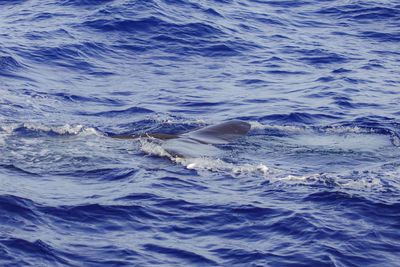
198, 142
220, 134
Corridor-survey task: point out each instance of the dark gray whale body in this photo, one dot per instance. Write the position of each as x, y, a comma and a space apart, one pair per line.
185, 145
219, 134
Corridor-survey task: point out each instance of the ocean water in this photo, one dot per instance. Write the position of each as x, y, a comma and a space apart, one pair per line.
315, 182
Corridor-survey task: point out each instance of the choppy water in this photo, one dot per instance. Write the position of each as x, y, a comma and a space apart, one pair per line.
315, 182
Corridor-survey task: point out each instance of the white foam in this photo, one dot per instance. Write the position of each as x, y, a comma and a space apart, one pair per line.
307, 129
220, 166
204, 164
334, 180
348, 137
395, 140
363, 183
150, 146
347, 129
62, 130
2, 139
286, 128
9, 128
167, 119
207, 165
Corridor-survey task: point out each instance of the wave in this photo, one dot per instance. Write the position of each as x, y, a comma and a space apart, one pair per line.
181, 253
12, 167
155, 32
125, 112
40, 251
363, 12
109, 174
80, 3
381, 36
8, 63
12, 67
297, 117
12, 2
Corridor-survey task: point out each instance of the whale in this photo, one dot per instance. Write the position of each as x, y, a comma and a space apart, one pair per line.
199, 141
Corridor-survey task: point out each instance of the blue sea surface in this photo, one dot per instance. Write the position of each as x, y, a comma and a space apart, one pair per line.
315, 182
